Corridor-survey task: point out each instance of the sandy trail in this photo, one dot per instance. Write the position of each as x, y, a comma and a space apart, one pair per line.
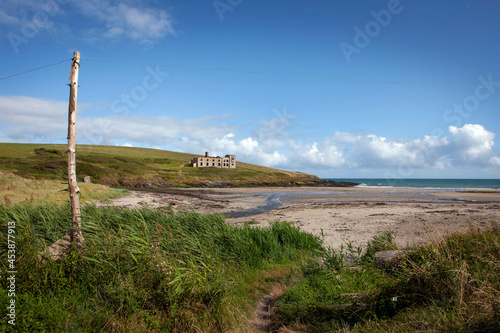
342, 214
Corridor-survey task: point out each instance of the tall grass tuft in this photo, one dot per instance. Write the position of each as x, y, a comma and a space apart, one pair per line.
141, 270
449, 286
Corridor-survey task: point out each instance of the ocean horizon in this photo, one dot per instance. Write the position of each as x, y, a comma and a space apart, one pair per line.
433, 183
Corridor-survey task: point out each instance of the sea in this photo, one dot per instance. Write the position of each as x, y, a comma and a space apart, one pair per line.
420, 183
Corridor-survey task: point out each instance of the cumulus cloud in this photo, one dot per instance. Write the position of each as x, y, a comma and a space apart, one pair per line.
248, 149
161, 131
369, 150
472, 142
27, 119
30, 119
114, 20
325, 154
495, 161
469, 145
134, 21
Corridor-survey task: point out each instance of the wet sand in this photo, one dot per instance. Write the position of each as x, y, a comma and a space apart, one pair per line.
340, 214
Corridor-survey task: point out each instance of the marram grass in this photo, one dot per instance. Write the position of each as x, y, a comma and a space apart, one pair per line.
142, 269
147, 270
449, 286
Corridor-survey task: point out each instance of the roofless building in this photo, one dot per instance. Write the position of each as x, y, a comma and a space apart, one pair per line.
228, 161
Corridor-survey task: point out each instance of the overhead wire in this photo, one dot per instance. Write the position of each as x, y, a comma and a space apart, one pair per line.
34, 69
282, 74
221, 69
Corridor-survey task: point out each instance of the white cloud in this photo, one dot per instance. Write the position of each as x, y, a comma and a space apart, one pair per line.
113, 20
249, 145
472, 143
30, 18
369, 150
134, 21
469, 145
252, 152
495, 161
247, 149
324, 154
31, 119
150, 131
27, 119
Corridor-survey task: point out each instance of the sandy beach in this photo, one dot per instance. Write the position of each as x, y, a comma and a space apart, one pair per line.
339, 214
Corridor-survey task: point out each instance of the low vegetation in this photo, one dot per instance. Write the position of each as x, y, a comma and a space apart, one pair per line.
156, 271
449, 286
144, 270
139, 167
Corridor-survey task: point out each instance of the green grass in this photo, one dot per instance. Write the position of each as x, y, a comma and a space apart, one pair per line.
15, 189
156, 271
144, 270
450, 286
137, 167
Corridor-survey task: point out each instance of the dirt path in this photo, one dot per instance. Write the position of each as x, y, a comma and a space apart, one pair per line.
262, 320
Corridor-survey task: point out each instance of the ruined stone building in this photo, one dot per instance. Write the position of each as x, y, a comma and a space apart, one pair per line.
229, 161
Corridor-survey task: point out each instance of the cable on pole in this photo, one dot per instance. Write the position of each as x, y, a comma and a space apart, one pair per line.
34, 69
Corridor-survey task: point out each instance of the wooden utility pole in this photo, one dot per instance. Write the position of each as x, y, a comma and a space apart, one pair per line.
74, 191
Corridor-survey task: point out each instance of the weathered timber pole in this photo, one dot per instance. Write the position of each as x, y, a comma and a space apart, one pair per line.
74, 191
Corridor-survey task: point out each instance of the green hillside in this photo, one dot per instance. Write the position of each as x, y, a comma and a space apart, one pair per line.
140, 167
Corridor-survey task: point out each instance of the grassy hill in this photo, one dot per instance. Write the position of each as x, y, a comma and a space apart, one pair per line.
140, 167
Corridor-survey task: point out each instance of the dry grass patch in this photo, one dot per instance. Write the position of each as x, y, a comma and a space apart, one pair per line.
15, 189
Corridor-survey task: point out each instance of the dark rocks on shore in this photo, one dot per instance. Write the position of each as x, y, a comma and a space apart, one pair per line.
158, 183
311, 183
333, 183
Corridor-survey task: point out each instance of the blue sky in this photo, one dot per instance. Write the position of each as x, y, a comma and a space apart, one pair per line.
151, 76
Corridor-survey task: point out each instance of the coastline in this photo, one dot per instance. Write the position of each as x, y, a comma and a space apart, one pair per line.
340, 214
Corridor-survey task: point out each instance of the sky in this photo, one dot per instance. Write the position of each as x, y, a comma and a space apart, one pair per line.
339, 89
